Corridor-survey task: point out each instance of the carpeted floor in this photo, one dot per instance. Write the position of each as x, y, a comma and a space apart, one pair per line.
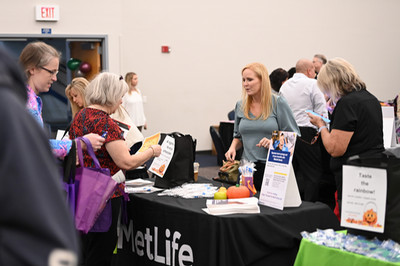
208, 164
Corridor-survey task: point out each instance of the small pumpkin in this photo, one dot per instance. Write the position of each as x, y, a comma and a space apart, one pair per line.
162, 168
370, 217
237, 192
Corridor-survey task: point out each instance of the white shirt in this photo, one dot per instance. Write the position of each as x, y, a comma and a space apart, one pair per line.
133, 104
302, 93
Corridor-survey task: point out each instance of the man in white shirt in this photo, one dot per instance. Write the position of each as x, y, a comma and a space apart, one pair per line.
302, 93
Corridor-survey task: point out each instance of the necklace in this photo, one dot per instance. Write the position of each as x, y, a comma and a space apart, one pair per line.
99, 107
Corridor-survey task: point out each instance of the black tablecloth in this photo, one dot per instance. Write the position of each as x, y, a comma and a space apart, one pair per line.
175, 231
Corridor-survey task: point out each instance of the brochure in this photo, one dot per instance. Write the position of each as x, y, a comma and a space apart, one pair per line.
147, 142
230, 206
160, 164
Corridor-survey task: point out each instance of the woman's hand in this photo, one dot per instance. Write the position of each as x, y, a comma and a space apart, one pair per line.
96, 140
156, 150
264, 142
230, 154
316, 120
236, 144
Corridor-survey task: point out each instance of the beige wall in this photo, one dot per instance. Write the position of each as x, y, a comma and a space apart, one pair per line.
199, 82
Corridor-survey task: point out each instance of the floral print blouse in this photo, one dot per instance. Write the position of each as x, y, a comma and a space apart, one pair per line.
60, 148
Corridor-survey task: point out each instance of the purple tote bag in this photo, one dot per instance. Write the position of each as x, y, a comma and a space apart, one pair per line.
94, 189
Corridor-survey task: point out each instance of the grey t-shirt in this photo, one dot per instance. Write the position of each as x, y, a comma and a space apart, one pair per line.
250, 132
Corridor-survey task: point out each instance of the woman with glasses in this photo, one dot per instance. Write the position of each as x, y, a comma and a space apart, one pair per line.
40, 63
356, 126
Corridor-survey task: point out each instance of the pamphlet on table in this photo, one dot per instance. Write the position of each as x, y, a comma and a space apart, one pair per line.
230, 206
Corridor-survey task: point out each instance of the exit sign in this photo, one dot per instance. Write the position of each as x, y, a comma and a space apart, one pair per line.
47, 13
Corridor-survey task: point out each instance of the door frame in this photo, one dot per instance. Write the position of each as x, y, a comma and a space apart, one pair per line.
68, 37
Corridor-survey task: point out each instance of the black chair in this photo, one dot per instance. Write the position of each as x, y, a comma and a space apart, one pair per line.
226, 133
218, 144
231, 115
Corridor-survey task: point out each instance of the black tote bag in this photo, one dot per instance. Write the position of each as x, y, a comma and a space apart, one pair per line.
180, 169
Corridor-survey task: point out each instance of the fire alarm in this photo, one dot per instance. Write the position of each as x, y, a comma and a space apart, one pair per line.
165, 49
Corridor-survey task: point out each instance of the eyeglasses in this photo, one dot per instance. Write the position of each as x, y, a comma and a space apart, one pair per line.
314, 139
52, 72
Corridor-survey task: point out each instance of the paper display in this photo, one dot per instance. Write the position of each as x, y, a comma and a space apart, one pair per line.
160, 164
147, 142
389, 132
364, 198
278, 171
60, 134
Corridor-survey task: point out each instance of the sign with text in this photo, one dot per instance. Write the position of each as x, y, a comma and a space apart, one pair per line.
364, 198
278, 173
47, 13
160, 164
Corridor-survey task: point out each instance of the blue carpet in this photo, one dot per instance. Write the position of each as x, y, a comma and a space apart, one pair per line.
205, 159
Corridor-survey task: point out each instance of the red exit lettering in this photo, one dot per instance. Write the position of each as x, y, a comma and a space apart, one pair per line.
47, 12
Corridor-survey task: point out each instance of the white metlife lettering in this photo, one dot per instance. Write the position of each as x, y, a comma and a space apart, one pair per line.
149, 243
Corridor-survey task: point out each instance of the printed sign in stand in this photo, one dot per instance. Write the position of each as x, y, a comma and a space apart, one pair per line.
364, 198
279, 187
292, 196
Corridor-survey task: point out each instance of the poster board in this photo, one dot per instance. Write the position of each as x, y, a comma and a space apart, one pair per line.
279, 187
364, 198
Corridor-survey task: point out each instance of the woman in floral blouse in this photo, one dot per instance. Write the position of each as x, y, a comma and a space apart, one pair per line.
103, 96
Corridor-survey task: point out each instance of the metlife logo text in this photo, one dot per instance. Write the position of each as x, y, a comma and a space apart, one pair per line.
149, 243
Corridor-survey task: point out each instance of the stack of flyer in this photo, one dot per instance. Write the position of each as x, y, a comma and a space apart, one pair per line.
231, 206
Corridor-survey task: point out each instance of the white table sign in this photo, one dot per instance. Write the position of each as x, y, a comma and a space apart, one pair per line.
160, 164
278, 171
364, 198
389, 131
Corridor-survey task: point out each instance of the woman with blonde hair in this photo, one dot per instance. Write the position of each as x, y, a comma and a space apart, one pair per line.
133, 101
75, 92
356, 126
257, 116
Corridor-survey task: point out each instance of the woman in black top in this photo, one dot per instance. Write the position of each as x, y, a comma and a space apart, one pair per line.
356, 123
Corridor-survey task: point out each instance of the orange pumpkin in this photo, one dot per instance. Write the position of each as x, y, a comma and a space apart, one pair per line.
237, 192
162, 168
370, 217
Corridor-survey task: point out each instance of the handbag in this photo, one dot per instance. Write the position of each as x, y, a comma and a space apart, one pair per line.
94, 188
180, 169
229, 171
69, 168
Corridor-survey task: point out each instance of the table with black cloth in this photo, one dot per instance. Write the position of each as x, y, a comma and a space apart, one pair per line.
163, 230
